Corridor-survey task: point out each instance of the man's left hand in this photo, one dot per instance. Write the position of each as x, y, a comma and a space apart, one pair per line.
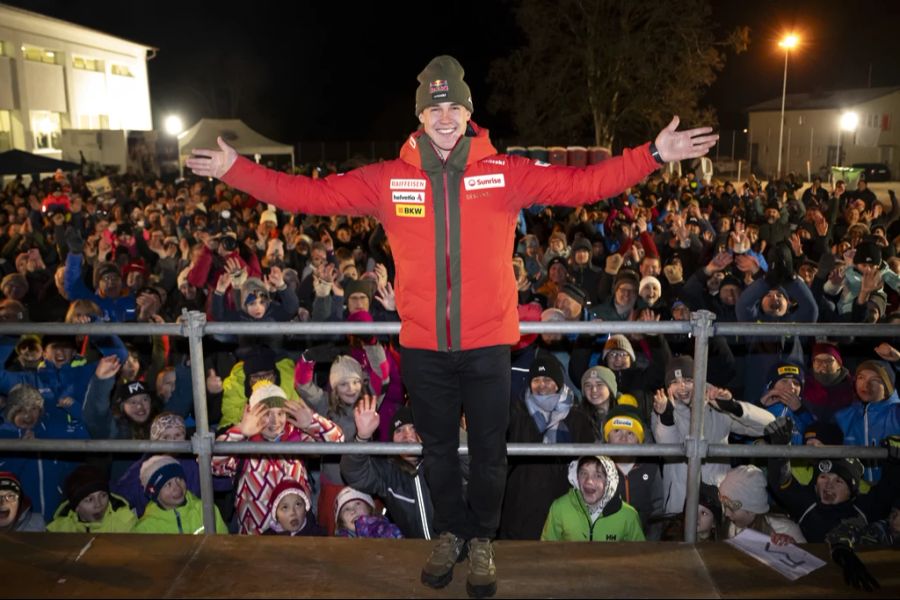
679, 145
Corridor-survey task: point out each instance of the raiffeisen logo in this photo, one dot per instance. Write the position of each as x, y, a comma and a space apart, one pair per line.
481, 182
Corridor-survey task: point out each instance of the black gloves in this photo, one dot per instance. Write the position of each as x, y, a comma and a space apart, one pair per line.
780, 431
855, 572
74, 241
325, 354
892, 443
731, 406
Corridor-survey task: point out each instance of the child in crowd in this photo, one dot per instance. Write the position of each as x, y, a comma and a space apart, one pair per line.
89, 507
355, 517
15, 507
172, 508
745, 502
347, 383
591, 510
269, 417
599, 391
289, 511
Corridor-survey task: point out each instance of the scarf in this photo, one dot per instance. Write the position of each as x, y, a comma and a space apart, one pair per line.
829, 379
548, 412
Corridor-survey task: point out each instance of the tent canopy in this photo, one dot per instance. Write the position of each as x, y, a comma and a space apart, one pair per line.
19, 162
235, 132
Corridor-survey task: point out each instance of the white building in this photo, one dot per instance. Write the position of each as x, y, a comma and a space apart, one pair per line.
57, 76
812, 130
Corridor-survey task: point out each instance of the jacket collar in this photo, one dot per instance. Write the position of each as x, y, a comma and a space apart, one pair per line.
475, 145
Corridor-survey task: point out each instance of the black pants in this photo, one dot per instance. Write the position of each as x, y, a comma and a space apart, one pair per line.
442, 386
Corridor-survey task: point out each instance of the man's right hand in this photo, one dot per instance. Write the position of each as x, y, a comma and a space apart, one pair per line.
212, 163
780, 431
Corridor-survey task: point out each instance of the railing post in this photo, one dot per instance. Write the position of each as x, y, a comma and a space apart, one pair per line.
695, 445
203, 438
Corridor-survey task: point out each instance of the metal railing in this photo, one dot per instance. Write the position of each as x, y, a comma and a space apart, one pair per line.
701, 327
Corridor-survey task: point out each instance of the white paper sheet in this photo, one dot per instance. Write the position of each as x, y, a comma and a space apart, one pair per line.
791, 561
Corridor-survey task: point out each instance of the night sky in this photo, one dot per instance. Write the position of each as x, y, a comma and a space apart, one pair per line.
305, 72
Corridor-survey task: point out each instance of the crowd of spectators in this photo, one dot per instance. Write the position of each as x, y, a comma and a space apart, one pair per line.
151, 250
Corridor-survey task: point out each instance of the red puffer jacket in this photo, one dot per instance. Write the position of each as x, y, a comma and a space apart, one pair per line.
451, 225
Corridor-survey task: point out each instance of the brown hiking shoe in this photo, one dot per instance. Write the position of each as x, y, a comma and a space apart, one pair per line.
448, 551
482, 580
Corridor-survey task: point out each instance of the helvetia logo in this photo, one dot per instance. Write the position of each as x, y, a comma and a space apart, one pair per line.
408, 197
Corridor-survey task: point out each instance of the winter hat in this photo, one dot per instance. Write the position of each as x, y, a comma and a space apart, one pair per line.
552, 314
558, 235
879, 300
442, 81
626, 276
403, 416
627, 400
612, 476
709, 498
867, 253
650, 280
618, 342
164, 422
783, 369
582, 243
285, 488
10, 483
156, 471
730, 279
626, 419
21, 397
130, 389
105, 268
360, 286
261, 359
848, 469
344, 368
827, 348
346, 495
268, 216
884, 371
827, 433
679, 367
547, 365
575, 293
745, 486
558, 260
82, 482
252, 289
268, 393
602, 375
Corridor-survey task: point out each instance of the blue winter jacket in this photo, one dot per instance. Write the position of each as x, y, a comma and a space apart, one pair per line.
114, 309
867, 424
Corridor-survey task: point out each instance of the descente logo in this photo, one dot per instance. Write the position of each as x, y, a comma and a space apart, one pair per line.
408, 197
480, 182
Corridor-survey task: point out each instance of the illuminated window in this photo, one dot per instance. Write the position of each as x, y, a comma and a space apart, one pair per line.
5, 131
121, 70
87, 64
46, 128
40, 55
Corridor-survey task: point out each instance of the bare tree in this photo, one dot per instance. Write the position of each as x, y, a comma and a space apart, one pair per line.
616, 70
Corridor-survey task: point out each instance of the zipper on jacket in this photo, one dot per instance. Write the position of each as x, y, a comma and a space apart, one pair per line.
447, 258
178, 521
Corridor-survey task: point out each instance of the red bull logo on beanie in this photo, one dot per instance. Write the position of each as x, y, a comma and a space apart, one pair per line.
438, 86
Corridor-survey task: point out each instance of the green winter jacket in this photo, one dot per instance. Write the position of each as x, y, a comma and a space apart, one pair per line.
569, 518
187, 518
234, 395
119, 518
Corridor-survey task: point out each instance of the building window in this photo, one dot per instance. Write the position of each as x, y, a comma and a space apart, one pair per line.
40, 55
46, 128
121, 70
5, 131
87, 64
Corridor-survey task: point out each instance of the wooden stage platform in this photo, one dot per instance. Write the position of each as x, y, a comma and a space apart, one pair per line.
168, 566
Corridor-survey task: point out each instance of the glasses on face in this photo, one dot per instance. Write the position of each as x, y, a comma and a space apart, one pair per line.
732, 505
617, 354
8, 498
824, 362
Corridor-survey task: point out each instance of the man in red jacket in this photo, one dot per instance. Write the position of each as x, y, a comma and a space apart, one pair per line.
449, 206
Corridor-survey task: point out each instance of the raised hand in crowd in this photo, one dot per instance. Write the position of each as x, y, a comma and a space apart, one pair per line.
887, 352
299, 414
275, 279
254, 419
107, 367
385, 296
213, 382
366, 418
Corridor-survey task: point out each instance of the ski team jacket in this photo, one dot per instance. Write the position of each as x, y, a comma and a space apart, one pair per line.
451, 225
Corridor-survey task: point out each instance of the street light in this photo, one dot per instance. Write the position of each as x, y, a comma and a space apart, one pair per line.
789, 41
848, 122
173, 125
